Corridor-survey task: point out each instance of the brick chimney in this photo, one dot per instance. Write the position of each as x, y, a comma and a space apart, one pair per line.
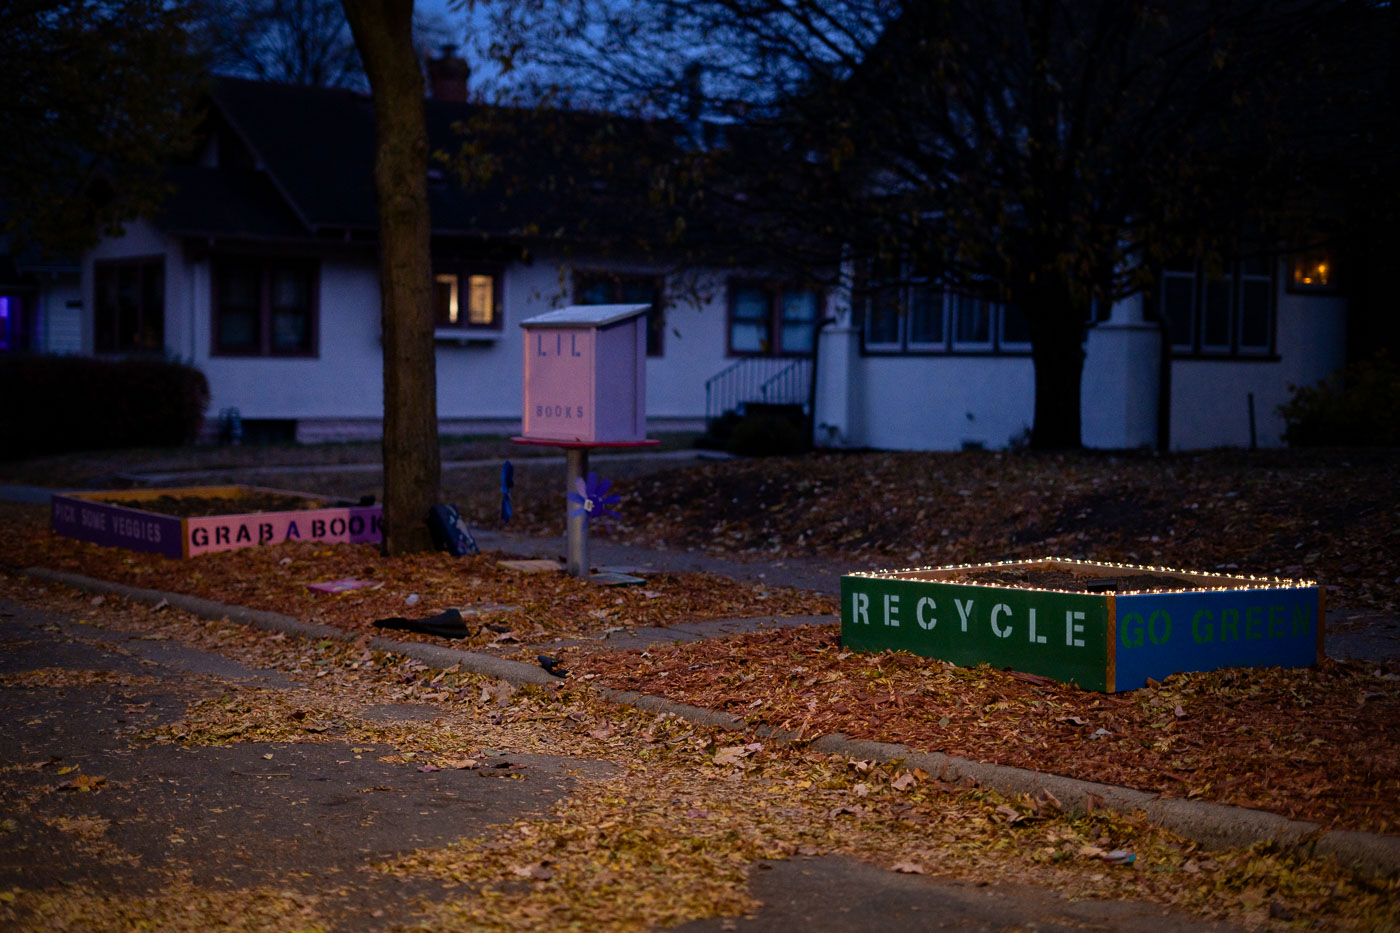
447, 75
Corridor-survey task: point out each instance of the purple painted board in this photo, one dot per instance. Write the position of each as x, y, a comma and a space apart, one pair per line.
117, 526
118, 520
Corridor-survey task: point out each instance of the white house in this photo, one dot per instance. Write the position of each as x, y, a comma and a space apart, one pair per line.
262, 271
939, 371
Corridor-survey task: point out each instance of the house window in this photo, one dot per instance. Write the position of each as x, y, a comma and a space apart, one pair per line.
1225, 313
129, 306
608, 288
772, 319
928, 318
972, 322
467, 297
920, 317
264, 307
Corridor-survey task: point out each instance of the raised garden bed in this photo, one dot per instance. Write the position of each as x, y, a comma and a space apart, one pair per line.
1101, 626
190, 521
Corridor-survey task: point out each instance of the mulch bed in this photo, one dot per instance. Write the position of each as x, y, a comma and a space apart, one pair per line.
1318, 744
206, 506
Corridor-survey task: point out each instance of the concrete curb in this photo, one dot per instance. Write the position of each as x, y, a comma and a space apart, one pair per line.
1211, 824
432, 655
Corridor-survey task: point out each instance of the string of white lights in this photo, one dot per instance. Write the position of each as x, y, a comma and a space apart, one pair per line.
1237, 581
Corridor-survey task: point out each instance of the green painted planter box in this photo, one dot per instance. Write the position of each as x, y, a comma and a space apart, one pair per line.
1085, 633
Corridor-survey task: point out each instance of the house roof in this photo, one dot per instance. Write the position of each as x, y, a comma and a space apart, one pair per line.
532, 173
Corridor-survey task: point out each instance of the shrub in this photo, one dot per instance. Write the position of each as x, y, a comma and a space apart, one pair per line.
768, 434
1358, 406
56, 404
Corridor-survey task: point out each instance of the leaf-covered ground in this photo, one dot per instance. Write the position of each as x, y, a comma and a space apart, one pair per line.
671, 835
518, 607
1332, 516
1319, 744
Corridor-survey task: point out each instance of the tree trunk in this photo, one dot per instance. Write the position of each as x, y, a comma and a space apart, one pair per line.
1057, 349
383, 32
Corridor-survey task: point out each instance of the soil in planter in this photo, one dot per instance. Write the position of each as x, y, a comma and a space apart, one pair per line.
206, 506
1075, 582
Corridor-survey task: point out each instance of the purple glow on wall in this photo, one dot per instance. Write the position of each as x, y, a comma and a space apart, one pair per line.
4, 323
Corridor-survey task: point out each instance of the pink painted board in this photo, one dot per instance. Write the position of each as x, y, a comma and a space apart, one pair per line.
228, 532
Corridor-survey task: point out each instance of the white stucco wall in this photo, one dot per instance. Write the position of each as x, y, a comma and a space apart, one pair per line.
941, 403
1210, 398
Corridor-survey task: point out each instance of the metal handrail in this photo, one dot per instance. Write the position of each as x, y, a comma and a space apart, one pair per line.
776, 380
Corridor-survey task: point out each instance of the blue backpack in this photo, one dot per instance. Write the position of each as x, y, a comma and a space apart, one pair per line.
450, 531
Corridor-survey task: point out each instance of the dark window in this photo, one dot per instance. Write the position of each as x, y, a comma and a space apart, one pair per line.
883, 320
926, 316
130, 305
1230, 313
1015, 329
749, 321
606, 288
264, 307
1179, 307
906, 311
467, 296
772, 319
972, 322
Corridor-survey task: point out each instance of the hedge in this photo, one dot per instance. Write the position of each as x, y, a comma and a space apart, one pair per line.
56, 404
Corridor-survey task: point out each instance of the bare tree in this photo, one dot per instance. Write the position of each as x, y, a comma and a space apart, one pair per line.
293, 41
383, 31
1045, 153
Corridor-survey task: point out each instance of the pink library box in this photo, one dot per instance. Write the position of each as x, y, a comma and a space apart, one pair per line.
585, 375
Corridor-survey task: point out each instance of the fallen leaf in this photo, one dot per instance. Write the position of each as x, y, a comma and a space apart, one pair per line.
907, 868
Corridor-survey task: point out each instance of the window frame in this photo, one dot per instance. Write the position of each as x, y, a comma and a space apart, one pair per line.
949, 344
464, 270
99, 266
656, 314
773, 291
1236, 278
266, 265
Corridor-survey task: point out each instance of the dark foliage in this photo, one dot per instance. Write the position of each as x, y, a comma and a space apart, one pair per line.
1356, 407
57, 404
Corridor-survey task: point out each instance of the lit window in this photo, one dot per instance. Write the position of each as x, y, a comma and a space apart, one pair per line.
480, 298
1314, 270
445, 298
